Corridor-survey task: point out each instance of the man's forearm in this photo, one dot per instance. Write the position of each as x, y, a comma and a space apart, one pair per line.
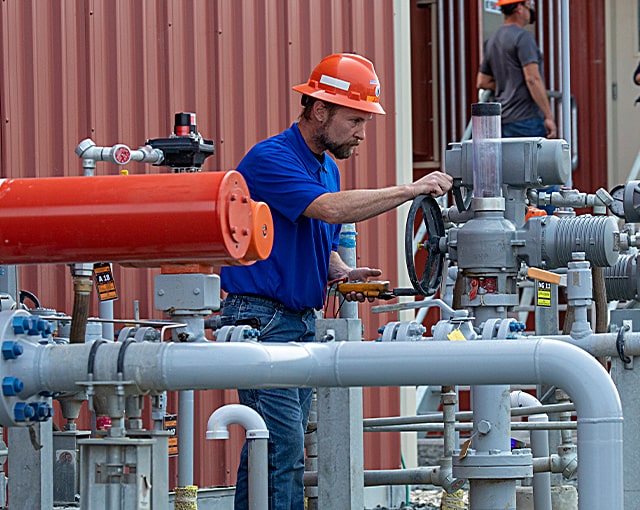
484, 81
351, 206
539, 94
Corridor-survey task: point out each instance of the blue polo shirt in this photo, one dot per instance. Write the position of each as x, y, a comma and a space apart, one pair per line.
283, 172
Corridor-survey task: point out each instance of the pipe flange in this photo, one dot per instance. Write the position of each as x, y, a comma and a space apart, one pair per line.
489, 328
493, 464
390, 331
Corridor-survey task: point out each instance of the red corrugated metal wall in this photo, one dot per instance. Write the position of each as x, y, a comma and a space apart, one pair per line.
116, 71
589, 87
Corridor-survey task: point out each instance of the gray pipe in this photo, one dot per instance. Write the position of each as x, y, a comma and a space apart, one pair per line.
463, 415
539, 448
257, 444
185, 438
426, 475
468, 427
174, 366
566, 75
604, 344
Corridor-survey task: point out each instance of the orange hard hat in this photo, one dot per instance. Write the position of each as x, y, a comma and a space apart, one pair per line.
507, 2
345, 79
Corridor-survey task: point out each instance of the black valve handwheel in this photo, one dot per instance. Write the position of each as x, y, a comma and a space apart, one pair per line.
429, 282
462, 201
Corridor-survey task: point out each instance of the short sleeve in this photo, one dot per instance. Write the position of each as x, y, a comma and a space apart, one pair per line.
527, 49
276, 175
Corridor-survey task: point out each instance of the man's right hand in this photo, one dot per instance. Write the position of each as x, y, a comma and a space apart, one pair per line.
550, 126
435, 184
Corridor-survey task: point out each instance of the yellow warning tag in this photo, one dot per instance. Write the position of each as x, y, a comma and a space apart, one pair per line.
456, 335
464, 449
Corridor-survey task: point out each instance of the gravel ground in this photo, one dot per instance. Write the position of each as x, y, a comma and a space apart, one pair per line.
431, 499
435, 499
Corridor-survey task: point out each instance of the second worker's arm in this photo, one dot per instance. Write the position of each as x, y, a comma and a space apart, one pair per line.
538, 92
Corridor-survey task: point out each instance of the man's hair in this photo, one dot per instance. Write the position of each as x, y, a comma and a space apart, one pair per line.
509, 9
307, 103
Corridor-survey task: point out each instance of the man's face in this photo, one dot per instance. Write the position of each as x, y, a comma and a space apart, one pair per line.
343, 131
529, 6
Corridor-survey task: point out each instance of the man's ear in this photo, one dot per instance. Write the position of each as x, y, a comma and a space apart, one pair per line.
320, 111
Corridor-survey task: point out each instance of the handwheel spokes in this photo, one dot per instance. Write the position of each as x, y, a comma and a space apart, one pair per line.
429, 282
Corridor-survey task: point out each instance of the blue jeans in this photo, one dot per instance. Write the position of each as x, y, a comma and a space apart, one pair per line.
285, 411
528, 127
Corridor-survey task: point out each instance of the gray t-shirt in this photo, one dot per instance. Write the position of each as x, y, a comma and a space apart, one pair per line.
506, 52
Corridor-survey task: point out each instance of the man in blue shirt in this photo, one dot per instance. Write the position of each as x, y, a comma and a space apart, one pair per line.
300, 182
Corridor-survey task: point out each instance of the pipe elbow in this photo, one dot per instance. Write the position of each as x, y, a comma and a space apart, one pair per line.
221, 418
443, 477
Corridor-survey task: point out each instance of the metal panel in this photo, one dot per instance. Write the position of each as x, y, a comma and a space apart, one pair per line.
589, 88
117, 71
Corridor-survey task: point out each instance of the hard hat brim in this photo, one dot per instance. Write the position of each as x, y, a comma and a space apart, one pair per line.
339, 99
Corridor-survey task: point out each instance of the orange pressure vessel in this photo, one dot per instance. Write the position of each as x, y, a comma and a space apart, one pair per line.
140, 220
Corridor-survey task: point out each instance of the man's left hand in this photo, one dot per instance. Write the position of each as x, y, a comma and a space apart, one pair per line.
361, 274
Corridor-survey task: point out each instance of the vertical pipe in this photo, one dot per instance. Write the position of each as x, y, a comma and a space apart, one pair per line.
441, 82
258, 477
462, 64
566, 78
114, 489
347, 252
551, 55
452, 73
539, 26
448, 396
539, 448
560, 68
185, 438
311, 450
340, 419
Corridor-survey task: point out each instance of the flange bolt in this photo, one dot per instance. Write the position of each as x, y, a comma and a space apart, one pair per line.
11, 350
23, 411
11, 386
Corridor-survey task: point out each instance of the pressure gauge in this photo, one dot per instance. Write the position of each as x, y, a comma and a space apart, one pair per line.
617, 206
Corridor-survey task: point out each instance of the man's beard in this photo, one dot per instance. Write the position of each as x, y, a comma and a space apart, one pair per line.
339, 150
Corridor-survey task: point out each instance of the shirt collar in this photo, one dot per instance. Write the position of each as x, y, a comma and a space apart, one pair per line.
309, 159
